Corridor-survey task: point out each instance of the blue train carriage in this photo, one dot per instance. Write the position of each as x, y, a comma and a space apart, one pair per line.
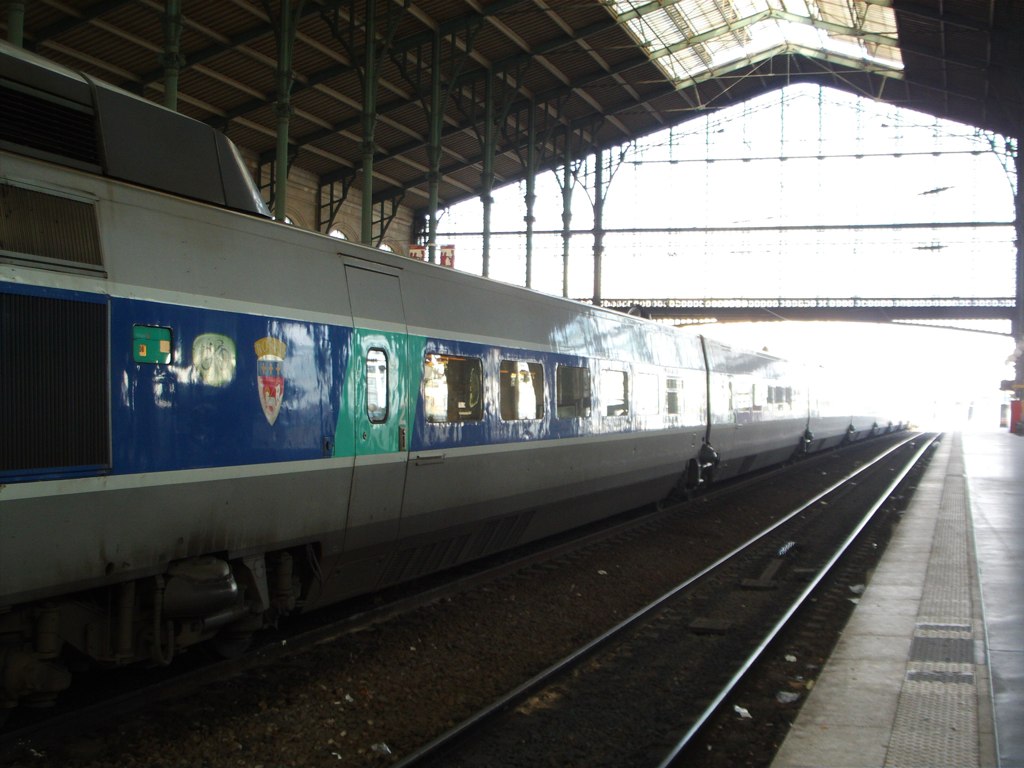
533, 415
175, 394
171, 401
214, 419
218, 442
845, 407
211, 420
764, 408
759, 409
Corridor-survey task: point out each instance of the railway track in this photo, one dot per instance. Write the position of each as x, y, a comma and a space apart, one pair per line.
639, 694
332, 628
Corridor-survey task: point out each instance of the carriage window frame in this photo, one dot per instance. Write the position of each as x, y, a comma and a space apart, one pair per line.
464, 399
573, 392
378, 415
614, 392
508, 404
646, 393
673, 395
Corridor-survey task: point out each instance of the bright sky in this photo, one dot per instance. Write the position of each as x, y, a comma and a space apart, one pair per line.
801, 157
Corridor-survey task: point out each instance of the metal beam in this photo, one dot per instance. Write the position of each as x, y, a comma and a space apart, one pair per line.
487, 172
794, 308
434, 145
369, 120
173, 61
287, 20
1018, 318
16, 23
531, 187
600, 190
568, 179
78, 19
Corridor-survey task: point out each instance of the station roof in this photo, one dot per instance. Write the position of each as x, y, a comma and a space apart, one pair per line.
602, 72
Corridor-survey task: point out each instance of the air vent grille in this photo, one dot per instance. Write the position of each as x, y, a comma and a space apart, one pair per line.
38, 123
53, 375
48, 225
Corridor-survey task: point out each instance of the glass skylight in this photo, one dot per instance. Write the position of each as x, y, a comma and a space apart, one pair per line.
695, 40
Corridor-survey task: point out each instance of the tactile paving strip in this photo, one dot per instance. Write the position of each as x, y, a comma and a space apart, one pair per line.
949, 649
937, 715
933, 676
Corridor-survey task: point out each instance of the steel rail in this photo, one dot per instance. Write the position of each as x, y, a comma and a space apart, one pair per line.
85, 717
541, 679
752, 659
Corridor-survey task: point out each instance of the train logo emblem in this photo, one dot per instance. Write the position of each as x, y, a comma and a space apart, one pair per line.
270, 355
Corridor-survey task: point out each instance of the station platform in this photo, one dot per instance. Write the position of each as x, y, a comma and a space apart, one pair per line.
930, 668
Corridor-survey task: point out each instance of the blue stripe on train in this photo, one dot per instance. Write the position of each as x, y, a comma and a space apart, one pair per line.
204, 407
177, 415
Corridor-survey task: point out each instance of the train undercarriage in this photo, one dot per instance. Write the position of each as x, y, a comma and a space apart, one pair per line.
208, 600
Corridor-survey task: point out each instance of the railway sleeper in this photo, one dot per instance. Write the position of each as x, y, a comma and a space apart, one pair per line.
145, 620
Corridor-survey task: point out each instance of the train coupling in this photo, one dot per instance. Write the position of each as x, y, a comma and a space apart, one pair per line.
806, 440
708, 456
699, 470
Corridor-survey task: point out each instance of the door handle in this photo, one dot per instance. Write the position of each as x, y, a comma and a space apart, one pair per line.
401, 439
437, 458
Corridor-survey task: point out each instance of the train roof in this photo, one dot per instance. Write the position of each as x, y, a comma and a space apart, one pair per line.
67, 117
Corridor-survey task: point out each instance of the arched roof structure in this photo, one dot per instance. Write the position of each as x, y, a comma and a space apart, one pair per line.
465, 94
414, 105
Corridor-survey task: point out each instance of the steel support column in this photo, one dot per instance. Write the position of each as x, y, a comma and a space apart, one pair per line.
16, 22
599, 193
1018, 323
369, 121
283, 108
172, 59
531, 186
434, 147
567, 182
487, 173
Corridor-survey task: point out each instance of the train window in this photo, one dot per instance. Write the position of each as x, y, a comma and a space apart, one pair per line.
780, 395
742, 394
645, 393
452, 388
522, 390
572, 392
377, 386
614, 392
673, 396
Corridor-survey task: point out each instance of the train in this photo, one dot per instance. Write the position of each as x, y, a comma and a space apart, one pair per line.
210, 420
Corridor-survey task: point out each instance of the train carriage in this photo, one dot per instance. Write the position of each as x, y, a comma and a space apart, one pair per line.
211, 419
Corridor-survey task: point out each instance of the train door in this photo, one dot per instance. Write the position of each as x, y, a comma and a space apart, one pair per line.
378, 399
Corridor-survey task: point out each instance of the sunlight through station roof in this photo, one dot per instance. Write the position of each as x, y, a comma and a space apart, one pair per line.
697, 40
